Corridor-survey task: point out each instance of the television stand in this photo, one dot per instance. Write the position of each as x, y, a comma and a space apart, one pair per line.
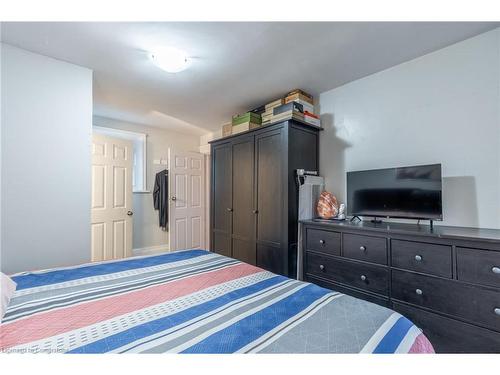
374, 220
431, 222
399, 258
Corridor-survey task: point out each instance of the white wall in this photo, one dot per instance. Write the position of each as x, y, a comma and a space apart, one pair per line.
146, 232
46, 126
441, 108
204, 139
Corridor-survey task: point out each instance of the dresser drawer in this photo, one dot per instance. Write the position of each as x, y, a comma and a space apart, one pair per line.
449, 335
478, 266
323, 241
363, 276
422, 257
367, 248
477, 305
342, 288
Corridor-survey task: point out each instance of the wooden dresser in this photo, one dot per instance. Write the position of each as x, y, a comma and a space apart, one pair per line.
446, 280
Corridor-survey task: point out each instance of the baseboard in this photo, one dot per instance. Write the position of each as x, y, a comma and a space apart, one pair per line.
150, 250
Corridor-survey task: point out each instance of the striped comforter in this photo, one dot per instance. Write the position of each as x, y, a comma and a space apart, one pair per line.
193, 302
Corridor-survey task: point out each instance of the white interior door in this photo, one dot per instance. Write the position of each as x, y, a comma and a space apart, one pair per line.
187, 200
111, 212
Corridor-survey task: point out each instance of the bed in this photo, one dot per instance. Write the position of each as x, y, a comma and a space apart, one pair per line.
193, 301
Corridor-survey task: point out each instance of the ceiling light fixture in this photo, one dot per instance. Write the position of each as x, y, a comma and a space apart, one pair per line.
170, 59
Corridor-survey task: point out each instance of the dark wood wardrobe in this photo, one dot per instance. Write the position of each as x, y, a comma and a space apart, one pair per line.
253, 203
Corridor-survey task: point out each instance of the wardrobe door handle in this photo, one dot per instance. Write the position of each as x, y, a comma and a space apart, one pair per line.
322, 242
255, 211
363, 278
321, 267
362, 248
418, 258
497, 311
130, 213
230, 209
496, 270
419, 292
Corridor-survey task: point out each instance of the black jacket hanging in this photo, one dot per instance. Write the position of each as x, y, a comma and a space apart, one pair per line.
160, 197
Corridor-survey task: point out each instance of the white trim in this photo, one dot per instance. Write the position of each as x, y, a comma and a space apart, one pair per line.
205, 149
125, 133
151, 250
208, 178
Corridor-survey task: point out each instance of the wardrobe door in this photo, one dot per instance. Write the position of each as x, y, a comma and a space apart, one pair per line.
243, 226
221, 199
270, 201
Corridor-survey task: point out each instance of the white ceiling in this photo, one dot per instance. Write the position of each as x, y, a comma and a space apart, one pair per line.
236, 66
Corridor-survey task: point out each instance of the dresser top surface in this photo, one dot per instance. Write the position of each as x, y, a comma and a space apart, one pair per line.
439, 231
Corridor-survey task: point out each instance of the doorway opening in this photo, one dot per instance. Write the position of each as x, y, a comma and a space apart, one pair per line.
123, 212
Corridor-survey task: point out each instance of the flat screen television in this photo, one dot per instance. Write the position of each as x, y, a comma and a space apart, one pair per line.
407, 192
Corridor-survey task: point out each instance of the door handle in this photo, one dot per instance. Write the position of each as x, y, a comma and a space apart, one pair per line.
174, 198
229, 209
130, 213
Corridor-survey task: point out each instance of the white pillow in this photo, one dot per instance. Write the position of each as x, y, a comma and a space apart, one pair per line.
7, 289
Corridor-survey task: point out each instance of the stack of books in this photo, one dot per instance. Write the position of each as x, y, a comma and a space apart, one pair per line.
312, 119
306, 100
296, 105
245, 122
299, 95
259, 110
227, 129
288, 111
267, 115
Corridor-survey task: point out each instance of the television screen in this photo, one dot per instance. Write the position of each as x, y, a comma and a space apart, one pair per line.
406, 192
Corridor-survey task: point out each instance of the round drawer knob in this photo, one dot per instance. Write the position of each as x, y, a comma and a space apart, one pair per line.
496, 270
497, 311
362, 248
418, 258
321, 267
419, 292
363, 278
322, 242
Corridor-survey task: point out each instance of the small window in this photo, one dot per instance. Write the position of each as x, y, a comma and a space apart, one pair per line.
139, 183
